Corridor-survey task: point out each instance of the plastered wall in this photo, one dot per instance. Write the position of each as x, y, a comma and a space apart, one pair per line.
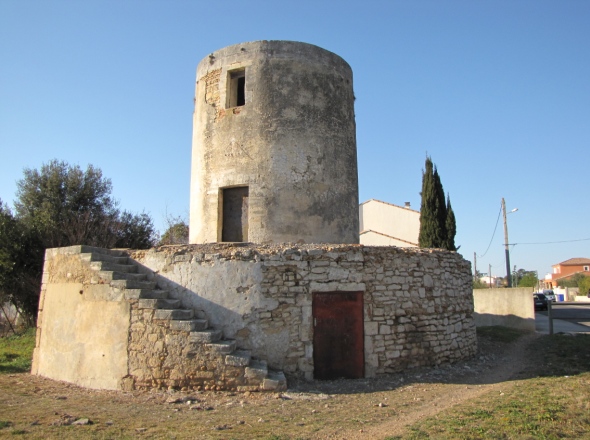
506, 307
82, 326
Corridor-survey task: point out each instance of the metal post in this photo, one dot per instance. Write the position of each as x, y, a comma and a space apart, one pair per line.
508, 280
550, 316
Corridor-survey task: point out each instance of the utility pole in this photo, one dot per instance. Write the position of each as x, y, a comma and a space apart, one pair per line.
490, 276
507, 251
474, 266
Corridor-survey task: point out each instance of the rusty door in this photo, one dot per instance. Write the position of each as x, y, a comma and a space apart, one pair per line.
338, 335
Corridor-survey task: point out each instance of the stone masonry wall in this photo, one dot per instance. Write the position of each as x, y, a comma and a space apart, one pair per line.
418, 304
99, 326
163, 357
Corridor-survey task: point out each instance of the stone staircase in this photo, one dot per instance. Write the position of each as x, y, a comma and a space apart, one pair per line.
238, 370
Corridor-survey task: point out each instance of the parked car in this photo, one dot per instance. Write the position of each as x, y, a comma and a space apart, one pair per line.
550, 295
541, 301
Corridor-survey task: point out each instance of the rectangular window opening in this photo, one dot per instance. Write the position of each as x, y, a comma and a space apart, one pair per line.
236, 93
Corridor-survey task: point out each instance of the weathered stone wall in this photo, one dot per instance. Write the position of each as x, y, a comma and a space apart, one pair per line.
418, 304
103, 325
163, 357
98, 327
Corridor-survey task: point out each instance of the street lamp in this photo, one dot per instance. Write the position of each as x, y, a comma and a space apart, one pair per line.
508, 280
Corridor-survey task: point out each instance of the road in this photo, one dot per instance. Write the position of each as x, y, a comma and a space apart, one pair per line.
567, 317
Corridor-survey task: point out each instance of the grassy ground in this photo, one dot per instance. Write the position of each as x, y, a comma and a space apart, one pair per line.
551, 402
16, 352
548, 400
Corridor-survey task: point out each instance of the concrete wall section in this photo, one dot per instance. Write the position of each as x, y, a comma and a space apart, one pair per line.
506, 307
82, 332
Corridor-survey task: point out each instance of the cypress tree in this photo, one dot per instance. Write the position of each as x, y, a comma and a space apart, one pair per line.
429, 235
441, 210
437, 219
451, 226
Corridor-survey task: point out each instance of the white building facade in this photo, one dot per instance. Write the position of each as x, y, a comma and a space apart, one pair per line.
386, 224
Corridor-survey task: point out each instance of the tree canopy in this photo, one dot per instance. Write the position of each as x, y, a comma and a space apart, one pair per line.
525, 278
177, 233
21, 261
579, 280
437, 219
60, 205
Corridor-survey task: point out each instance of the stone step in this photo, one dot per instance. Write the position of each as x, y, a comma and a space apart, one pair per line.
190, 325
145, 293
223, 347
206, 336
274, 381
108, 266
239, 358
103, 251
157, 303
256, 370
181, 314
109, 275
133, 284
104, 257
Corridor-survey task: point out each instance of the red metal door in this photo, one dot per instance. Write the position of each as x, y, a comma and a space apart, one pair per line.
338, 335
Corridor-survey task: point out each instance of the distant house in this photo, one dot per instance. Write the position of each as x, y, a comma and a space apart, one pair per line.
492, 281
567, 269
386, 224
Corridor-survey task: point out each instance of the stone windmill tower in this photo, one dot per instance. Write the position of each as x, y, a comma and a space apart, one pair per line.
274, 146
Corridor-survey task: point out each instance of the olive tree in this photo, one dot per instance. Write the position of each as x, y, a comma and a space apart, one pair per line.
61, 205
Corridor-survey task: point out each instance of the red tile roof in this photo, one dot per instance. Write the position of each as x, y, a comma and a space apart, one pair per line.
574, 262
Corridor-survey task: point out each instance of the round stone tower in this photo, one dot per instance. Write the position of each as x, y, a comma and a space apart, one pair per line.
274, 146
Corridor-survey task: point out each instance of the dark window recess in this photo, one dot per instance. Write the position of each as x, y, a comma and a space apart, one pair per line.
236, 96
235, 214
241, 98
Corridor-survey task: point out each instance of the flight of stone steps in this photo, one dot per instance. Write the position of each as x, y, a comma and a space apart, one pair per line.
117, 269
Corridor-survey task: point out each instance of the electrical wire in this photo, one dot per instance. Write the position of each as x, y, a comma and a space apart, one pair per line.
553, 242
492, 239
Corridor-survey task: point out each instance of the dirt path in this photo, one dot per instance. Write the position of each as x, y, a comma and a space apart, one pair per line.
436, 398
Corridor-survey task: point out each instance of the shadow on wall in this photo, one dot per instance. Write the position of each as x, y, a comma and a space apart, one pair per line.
507, 307
227, 300
512, 321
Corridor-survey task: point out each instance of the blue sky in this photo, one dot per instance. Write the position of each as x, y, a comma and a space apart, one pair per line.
496, 92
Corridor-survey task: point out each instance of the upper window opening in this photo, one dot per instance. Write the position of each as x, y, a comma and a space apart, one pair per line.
236, 96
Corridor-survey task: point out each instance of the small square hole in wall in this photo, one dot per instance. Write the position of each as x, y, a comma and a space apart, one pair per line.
236, 93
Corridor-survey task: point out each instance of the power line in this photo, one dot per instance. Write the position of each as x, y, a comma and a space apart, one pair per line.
492, 239
553, 242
